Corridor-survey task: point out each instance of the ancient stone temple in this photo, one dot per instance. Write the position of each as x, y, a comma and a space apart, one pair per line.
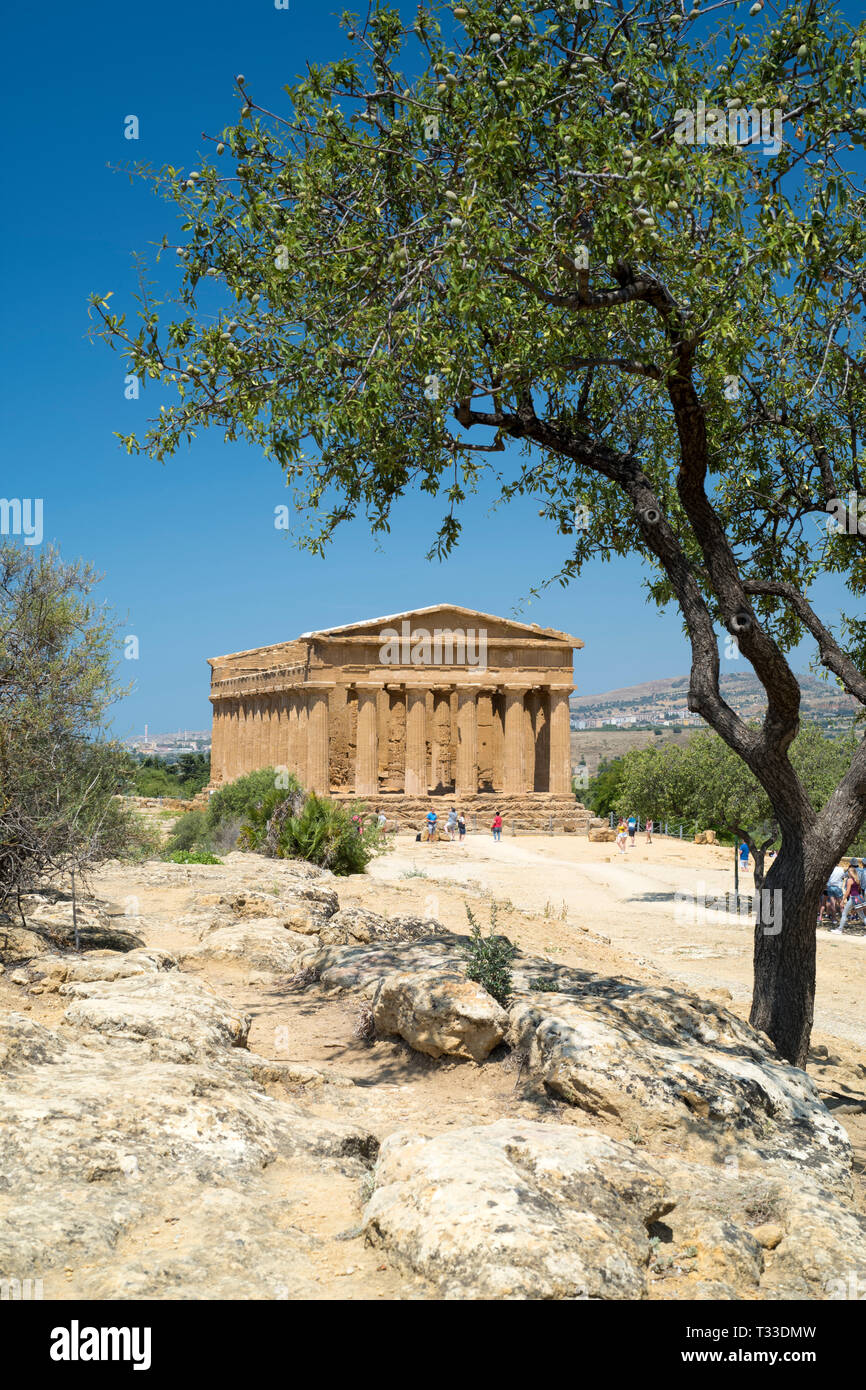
438, 702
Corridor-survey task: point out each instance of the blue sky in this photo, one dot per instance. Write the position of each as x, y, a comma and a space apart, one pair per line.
190, 555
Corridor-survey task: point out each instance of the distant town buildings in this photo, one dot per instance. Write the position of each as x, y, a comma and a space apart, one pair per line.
169, 745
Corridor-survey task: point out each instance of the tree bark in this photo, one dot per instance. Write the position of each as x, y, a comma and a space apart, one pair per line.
783, 1002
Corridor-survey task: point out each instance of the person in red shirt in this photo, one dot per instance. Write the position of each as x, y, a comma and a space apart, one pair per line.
497, 827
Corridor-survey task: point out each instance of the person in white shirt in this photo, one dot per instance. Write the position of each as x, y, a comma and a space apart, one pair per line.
831, 899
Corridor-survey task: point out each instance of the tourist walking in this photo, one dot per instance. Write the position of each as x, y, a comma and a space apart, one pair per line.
649, 832
432, 818
461, 827
451, 823
496, 827
621, 834
831, 898
744, 855
632, 830
852, 895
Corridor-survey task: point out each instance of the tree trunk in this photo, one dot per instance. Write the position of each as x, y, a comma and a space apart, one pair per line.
784, 995
76, 936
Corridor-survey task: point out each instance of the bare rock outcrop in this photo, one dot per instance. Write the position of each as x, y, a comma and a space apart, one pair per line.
262, 943
518, 1210
661, 1057
527, 1210
140, 1177
160, 1007
440, 1015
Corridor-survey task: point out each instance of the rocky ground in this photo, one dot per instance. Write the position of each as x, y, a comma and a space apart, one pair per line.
260, 1081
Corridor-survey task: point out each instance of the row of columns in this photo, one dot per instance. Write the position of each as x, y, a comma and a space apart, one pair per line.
293, 729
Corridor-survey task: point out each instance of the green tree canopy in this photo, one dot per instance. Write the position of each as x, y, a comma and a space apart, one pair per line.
705, 782
59, 775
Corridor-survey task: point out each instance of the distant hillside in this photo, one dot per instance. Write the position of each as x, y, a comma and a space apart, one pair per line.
665, 700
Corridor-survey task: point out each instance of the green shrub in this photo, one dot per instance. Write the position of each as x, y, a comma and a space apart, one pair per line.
489, 958
192, 856
236, 800
190, 831
291, 824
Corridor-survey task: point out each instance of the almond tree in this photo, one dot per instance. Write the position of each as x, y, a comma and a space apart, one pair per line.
613, 257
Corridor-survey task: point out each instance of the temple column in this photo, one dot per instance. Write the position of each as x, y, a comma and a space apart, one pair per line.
231, 754
515, 741
530, 705
263, 730
243, 736
467, 741
274, 758
560, 741
217, 741
367, 742
441, 774
298, 736
318, 732
260, 749
266, 702
415, 778
280, 745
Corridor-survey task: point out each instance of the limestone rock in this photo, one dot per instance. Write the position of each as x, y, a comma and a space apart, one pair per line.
306, 909
353, 924
166, 1006
98, 1142
658, 1057
740, 1232
263, 943
100, 965
18, 944
518, 1210
440, 1014
769, 1235
602, 835
358, 924
361, 967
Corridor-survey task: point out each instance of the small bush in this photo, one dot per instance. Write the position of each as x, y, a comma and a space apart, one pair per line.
223, 838
190, 831
291, 824
489, 958
192, 856
236, 799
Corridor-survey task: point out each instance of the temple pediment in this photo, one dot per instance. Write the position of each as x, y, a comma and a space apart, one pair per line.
446, 617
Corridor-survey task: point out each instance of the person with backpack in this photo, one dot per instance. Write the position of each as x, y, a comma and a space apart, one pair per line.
496, 827
632, 830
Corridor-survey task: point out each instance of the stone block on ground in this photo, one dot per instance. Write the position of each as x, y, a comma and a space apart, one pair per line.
518, 1210
441, 1014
